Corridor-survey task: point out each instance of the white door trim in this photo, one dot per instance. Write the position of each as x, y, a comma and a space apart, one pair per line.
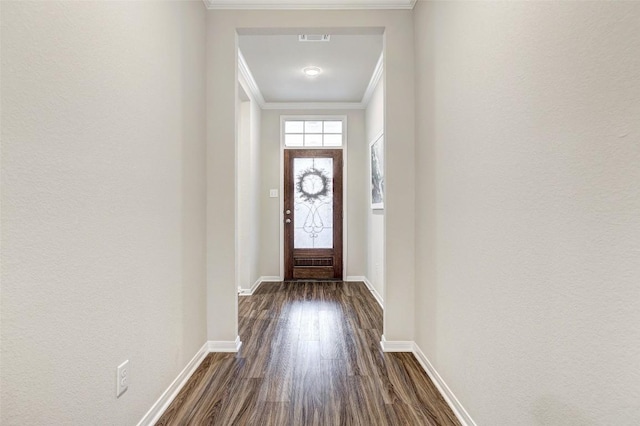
345, 215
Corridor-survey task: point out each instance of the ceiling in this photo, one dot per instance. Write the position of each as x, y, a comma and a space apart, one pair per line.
310, 4
276, 63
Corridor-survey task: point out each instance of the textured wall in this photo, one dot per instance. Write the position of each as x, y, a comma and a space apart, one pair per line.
375, 218
102, 206
222, 96
529, 187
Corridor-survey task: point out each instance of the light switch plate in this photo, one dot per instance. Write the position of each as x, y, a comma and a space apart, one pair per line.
273, 193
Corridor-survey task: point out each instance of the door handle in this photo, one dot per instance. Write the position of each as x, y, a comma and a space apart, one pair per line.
287, 221
287, 212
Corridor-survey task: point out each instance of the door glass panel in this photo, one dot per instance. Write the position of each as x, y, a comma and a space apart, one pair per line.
313, 203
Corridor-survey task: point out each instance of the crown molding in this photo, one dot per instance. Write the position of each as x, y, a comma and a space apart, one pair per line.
314, 105
375, 79
310, 4
245, 73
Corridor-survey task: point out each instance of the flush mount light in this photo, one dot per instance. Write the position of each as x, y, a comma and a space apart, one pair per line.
311, 71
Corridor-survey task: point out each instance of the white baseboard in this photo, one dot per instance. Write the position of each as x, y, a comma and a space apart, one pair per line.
157, 409
254, 287
249, 291
224, 345
446, 393
396, 345
366, 281
411, 346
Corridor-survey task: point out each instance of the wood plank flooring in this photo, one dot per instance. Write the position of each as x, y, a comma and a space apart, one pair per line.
310, 356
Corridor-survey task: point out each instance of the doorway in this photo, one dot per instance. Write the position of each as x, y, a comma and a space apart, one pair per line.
313, 213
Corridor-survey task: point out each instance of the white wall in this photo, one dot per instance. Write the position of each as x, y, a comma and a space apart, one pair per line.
528, 208
103, 212
375, 218
399, 101
255, 171
249, 189
243, 200
270, 207
222, 98
354, 202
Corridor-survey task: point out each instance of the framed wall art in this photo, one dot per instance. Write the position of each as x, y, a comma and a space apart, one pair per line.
376, 154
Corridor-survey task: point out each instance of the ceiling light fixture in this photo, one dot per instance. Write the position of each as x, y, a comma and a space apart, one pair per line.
311, 71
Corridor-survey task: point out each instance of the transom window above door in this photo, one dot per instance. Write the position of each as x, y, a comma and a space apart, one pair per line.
313, 133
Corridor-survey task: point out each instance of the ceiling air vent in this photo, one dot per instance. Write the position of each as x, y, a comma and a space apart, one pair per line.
314, 37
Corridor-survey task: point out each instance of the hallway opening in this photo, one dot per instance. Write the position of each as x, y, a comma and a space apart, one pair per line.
280, 109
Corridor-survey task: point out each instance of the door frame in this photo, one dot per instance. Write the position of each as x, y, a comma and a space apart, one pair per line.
337, 202
345, 168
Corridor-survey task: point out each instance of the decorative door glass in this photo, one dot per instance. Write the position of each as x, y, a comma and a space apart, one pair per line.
313, 203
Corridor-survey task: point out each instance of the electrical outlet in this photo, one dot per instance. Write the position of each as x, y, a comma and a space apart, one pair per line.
122, 378
273, 193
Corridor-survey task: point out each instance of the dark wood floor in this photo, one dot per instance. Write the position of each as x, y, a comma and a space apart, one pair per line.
310, 356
